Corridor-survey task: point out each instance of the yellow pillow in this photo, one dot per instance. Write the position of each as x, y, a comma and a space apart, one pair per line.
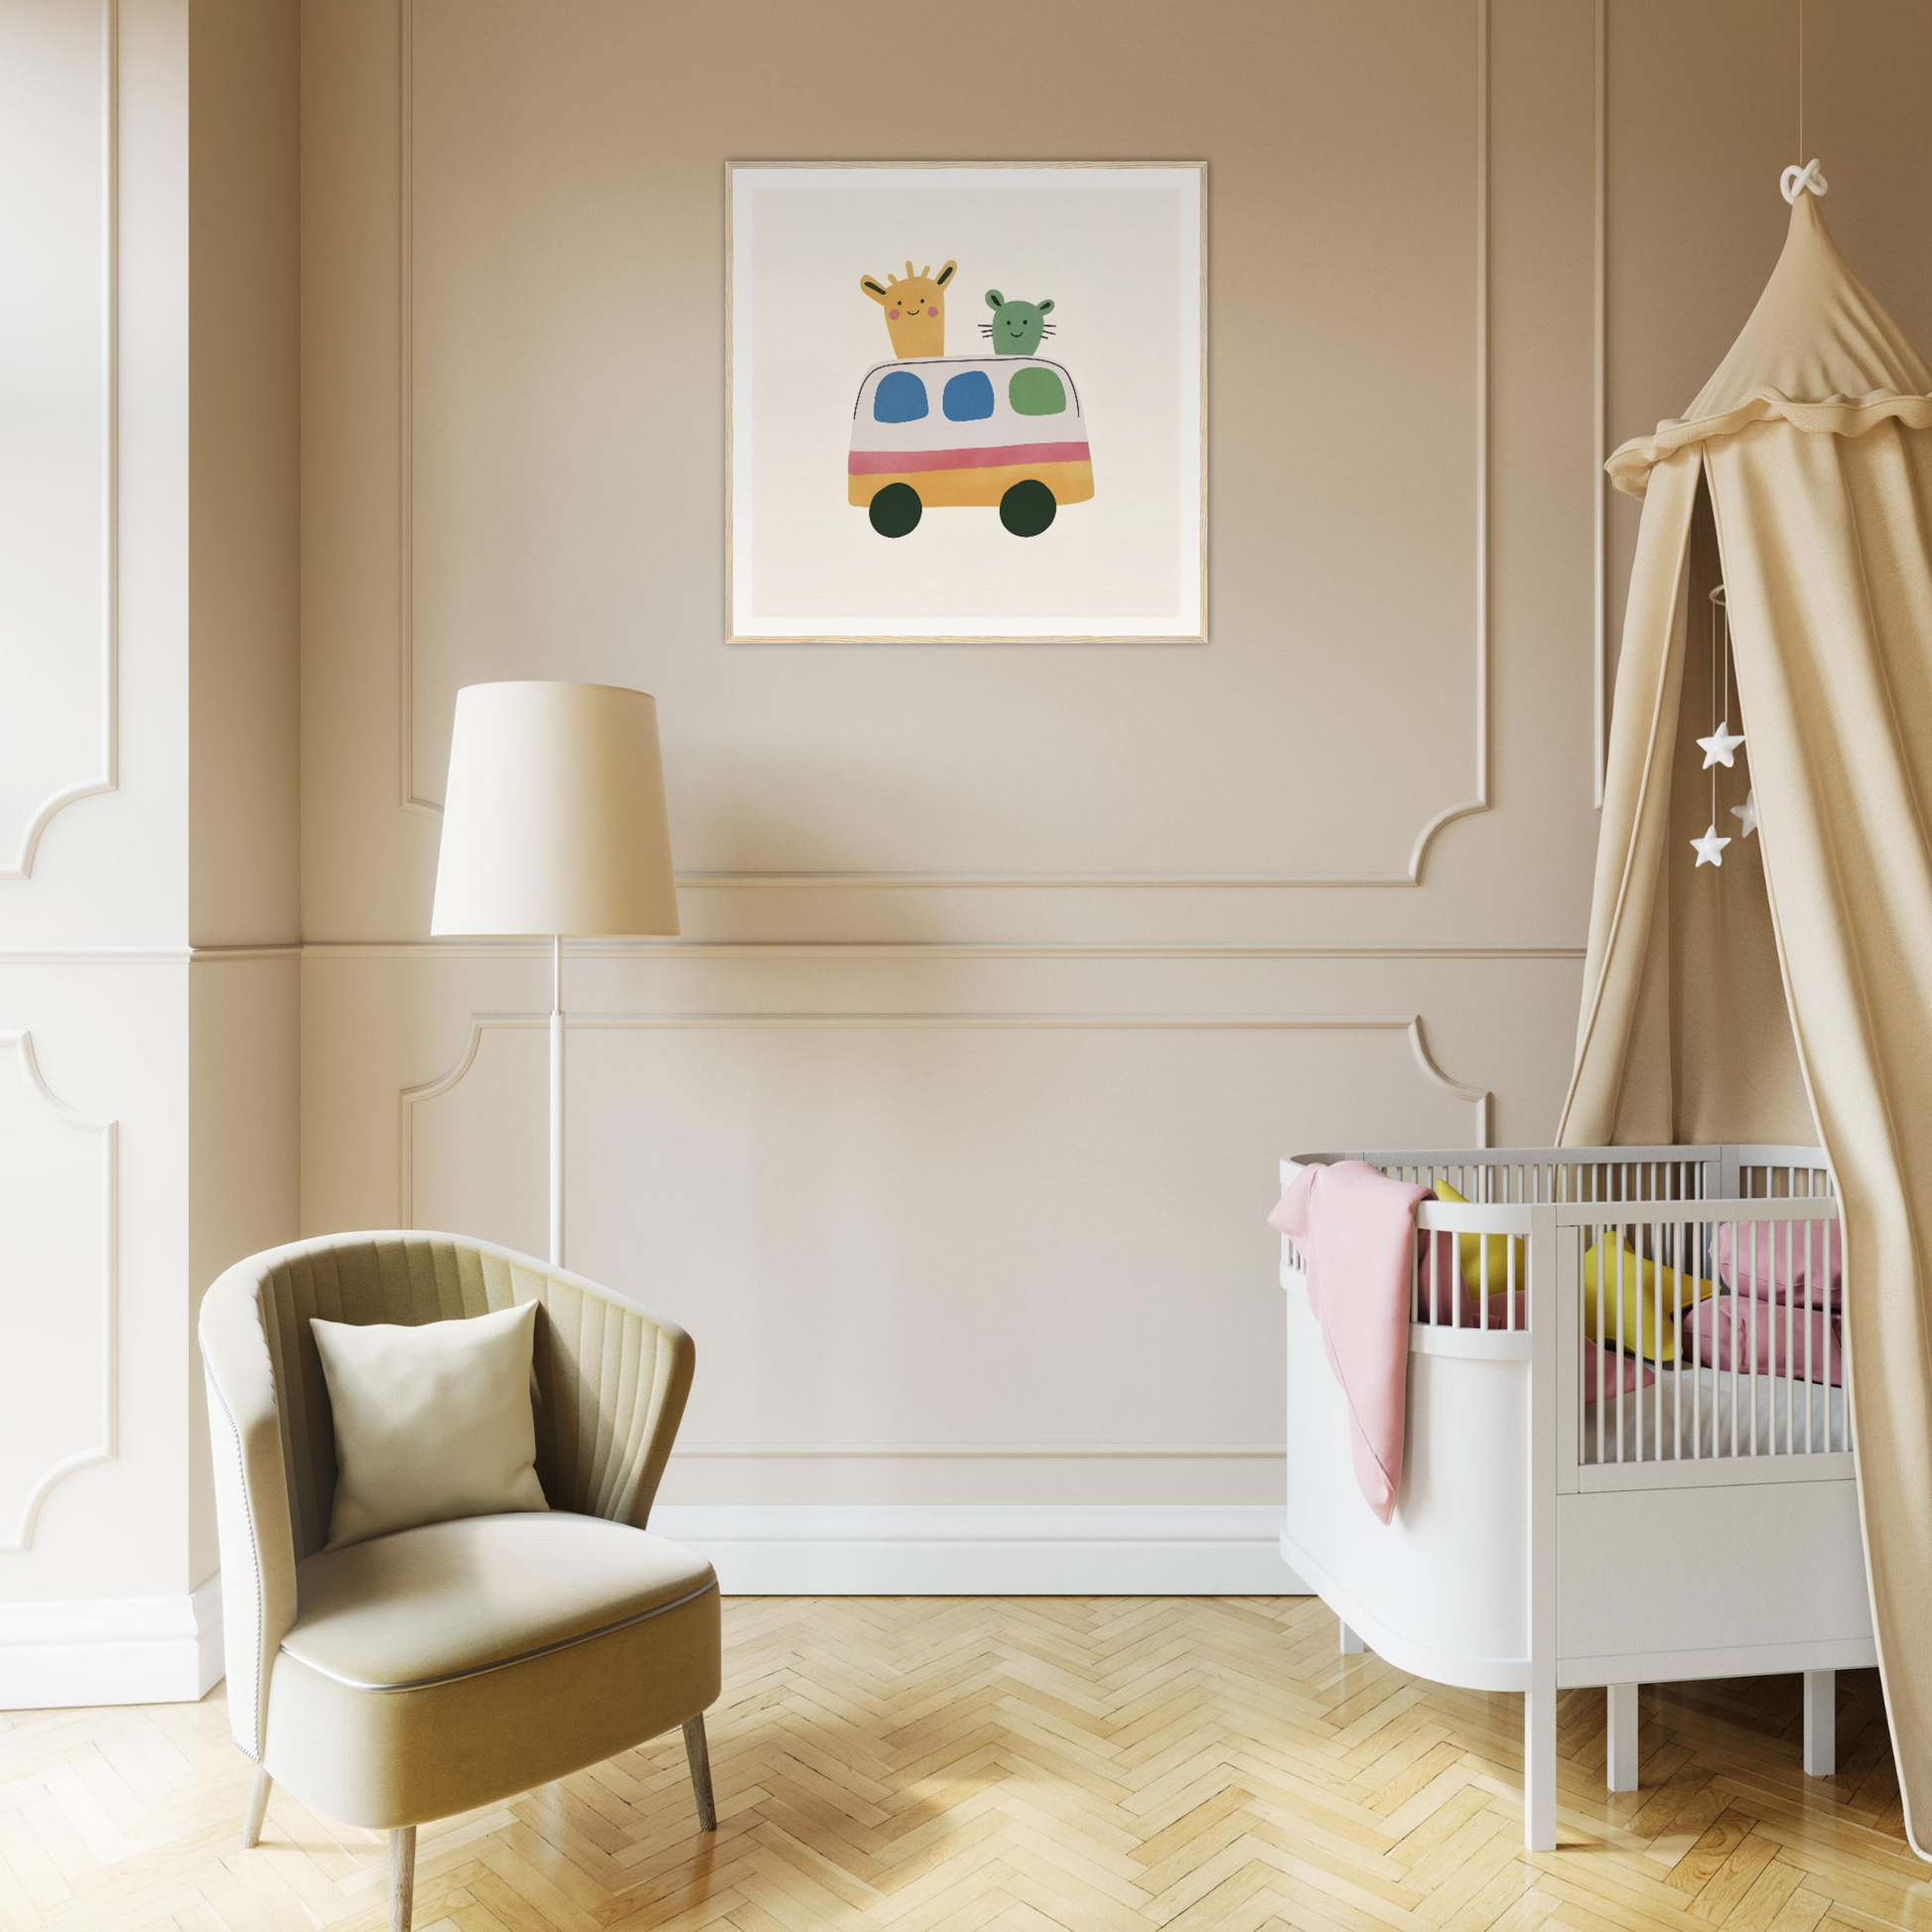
1640, 1285
1496, 1279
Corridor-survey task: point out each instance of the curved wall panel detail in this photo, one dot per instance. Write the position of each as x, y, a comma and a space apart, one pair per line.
59, 1288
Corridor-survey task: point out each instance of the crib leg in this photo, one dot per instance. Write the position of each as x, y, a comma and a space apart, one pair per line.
1621, 1700
1821, 1723
1351, 1644
1540, 1769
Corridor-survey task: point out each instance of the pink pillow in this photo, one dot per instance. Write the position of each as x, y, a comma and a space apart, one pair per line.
1732, 1327
1770, 1259
1621, 1373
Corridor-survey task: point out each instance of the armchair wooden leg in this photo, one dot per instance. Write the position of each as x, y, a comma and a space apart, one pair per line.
402, 1877
252, 1827
699, 1753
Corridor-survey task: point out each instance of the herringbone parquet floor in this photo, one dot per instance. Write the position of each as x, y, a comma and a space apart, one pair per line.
1028, 1764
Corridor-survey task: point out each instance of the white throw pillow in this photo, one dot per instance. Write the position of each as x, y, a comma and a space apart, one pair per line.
432, 1422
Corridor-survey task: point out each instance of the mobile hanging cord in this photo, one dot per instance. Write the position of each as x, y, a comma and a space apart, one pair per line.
1802, 177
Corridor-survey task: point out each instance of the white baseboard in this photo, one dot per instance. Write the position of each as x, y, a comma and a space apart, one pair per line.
168, 1650
979, 1550
110, 1650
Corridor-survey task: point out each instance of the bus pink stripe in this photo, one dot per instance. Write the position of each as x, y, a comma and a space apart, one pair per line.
875, 463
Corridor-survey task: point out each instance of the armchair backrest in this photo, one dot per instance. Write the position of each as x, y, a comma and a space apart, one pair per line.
611, 1387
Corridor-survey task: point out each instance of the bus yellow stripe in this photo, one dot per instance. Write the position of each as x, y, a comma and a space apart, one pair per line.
1070, 483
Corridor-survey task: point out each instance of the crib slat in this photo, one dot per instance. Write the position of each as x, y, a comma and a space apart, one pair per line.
1621, 1253
1811, 1366
1790, 1342
1656, 1341
1600, 1344
1697, 1392
1683, 1231
1735, 1243
1750, 1322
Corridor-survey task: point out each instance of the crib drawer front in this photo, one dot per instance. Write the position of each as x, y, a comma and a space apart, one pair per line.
1709, 1582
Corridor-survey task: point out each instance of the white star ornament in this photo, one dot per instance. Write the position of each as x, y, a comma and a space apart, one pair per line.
1711, 848
1721, 746
1746, 815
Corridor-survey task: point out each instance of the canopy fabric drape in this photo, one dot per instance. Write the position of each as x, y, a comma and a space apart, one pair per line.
1788, 994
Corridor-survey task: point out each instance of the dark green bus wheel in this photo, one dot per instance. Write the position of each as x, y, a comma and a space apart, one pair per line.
896, 510
1027, 507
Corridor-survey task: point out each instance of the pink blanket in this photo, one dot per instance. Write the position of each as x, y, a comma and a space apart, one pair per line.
1355, 1228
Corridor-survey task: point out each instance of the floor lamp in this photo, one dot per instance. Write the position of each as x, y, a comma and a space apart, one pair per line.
553, 826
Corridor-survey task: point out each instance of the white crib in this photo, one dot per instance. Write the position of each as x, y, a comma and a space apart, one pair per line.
1706, 1526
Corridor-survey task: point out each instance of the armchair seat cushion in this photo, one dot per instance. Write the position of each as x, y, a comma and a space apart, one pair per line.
424, 1605
456, 1664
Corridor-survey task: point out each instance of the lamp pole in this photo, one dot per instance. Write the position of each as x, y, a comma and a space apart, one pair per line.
556, 1101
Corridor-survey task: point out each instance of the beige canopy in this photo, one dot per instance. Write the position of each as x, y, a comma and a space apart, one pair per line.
1787, 996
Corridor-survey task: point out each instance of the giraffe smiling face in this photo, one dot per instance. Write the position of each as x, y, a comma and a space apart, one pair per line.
915, 309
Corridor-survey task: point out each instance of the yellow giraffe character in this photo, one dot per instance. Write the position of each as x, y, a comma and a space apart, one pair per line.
915, 309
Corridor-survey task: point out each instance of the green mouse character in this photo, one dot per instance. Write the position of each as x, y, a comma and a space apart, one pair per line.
1017, 328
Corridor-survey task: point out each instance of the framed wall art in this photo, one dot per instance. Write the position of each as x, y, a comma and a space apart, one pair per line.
965, 402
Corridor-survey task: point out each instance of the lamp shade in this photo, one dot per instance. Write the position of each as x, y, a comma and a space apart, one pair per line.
554, 819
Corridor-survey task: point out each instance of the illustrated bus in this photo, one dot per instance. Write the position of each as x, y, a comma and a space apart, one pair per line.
968, 432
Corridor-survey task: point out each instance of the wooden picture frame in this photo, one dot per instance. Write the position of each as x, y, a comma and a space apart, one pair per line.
899, 472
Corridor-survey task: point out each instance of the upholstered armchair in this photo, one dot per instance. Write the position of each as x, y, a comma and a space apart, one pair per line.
432, 1670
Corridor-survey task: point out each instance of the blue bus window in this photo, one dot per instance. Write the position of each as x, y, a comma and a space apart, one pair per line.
969, 398
900, 398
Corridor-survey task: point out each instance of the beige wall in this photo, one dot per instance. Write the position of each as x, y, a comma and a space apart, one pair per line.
243, 590
1009, 971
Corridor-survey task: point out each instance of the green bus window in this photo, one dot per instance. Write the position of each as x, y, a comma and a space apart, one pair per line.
1036, 392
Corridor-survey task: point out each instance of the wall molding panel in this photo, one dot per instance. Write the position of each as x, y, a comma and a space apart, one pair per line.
107, 774
861, 1131
94, 1285
1478, 800
1478, 1099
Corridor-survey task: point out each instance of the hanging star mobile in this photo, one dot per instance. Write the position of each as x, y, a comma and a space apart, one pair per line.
1721, 748
1711, 848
